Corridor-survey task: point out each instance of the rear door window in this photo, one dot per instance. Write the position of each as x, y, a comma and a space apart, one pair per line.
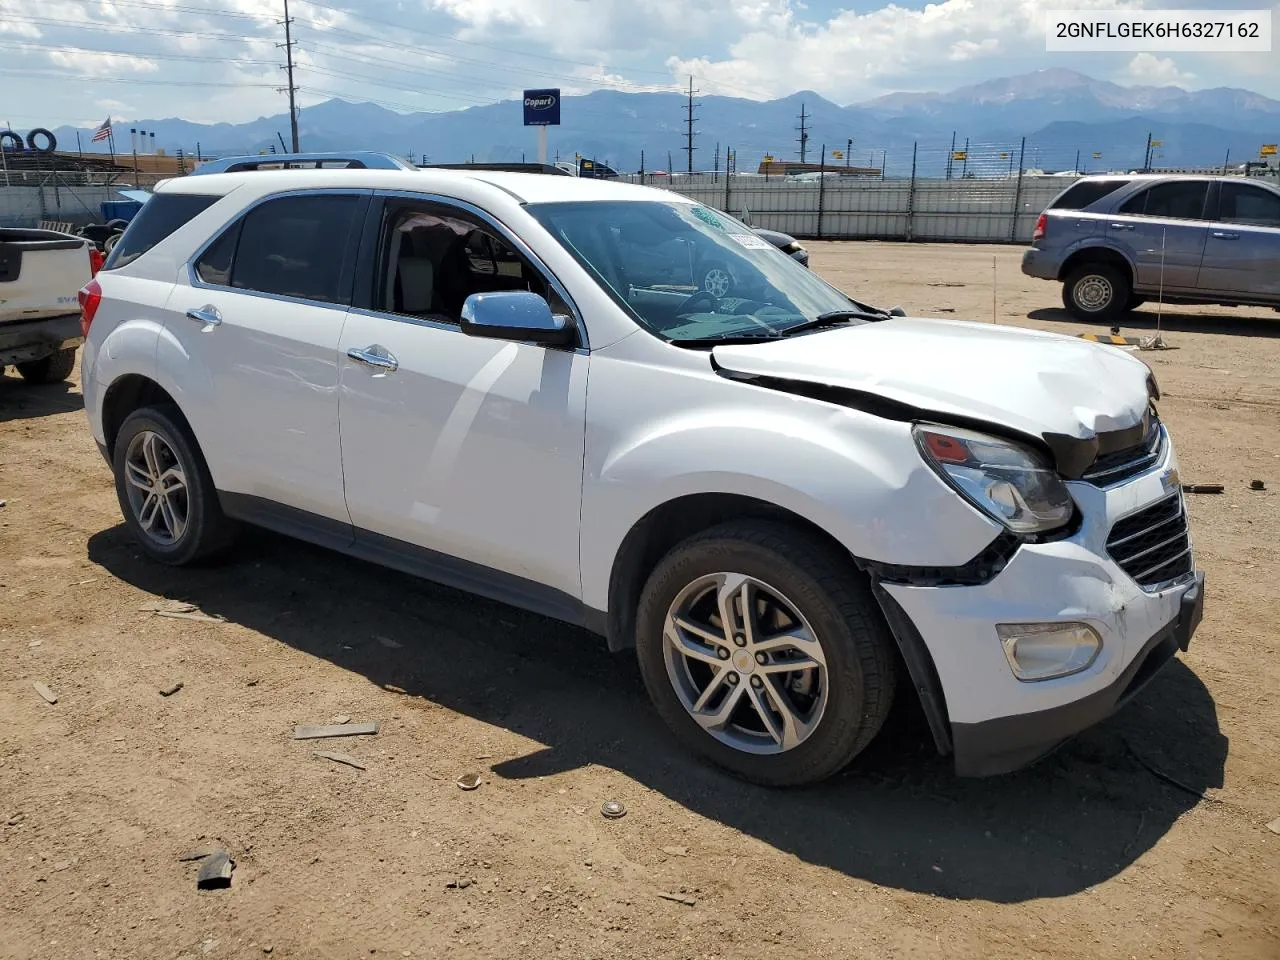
160, 216
298, 246
1176, 200
1082, 194
1247, 204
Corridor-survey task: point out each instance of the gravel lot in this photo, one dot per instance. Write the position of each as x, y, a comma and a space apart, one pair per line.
1090, 854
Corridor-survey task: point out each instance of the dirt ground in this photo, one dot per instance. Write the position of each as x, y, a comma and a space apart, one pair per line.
1089, 854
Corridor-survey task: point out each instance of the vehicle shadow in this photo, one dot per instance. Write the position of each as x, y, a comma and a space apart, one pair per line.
20, 400
1144, 320
898, 817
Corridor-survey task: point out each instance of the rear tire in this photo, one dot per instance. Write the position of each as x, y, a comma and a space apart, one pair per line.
836, 706
1096, 292
1135, 302
51, 369
156, 453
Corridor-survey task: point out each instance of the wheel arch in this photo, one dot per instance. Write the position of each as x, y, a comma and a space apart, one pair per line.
127, 393
1098, 254
668, 524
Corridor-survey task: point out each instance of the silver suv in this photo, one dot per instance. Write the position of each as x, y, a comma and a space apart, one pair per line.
1116, 242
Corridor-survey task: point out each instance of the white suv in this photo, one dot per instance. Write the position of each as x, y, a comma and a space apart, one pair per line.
786, 501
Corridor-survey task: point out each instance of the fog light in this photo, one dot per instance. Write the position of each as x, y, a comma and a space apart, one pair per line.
1043, 651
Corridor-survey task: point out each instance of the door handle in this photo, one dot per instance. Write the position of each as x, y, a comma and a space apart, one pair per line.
375, 357
1222, 235
208, 315
1122, 226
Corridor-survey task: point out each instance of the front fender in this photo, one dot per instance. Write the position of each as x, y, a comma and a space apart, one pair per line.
857, 476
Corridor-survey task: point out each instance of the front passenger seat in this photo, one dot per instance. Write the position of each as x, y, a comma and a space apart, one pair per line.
417, 284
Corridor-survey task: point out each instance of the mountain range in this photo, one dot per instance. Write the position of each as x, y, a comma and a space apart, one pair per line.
1066, 117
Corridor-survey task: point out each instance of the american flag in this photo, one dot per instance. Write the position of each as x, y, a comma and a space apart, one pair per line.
103, 132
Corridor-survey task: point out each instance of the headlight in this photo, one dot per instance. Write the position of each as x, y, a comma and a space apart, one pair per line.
1004, 480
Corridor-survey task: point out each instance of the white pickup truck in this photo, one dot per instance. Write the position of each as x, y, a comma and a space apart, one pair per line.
41, 272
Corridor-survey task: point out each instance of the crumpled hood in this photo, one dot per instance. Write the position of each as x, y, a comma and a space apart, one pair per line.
1032, 382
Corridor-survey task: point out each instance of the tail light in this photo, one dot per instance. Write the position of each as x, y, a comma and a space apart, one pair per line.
1043, 222
96, 259
90, 297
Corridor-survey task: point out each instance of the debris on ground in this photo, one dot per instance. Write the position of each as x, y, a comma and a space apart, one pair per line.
944, 283
14, 819
173, 688
182, 615
460, 884
688, 901
340, 758
469, 781
318, 731
201, 853
1203, 487
1274, 825
388, 643
215, 872
1257, 485
340, 719
613, 810
168, 606
48, 695
1154, 343
676, 851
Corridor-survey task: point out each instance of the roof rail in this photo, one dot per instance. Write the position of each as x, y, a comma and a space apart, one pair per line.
355, 160
499, 167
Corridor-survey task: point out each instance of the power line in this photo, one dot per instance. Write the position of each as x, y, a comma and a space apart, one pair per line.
21, 45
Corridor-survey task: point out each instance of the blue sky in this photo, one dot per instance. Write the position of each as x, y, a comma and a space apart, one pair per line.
75, 61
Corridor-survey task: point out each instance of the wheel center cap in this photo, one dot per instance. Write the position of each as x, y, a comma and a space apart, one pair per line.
743, 662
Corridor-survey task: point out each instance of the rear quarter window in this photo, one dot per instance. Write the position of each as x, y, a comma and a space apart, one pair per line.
160, 216
1082, 194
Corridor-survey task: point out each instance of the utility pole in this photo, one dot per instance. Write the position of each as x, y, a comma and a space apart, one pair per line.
848, 152
293, 89
1146, 163
803, 139
689, 131
951, 155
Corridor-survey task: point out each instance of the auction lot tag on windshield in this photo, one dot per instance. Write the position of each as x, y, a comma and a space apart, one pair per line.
750, 241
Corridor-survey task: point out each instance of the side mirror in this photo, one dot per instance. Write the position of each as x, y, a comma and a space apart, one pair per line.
897, 312
515, 315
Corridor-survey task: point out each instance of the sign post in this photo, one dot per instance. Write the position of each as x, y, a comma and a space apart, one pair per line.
542, 110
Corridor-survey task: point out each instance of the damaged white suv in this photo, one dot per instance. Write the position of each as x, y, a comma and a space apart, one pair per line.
786, 501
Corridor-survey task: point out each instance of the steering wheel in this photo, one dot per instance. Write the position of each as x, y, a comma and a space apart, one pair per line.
698, 298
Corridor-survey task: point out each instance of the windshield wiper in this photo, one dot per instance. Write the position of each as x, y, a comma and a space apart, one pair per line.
832, 318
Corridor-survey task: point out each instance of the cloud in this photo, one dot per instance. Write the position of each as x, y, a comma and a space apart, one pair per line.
1147, 68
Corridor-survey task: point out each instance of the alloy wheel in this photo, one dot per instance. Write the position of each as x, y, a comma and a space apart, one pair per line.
745, 663
156, 484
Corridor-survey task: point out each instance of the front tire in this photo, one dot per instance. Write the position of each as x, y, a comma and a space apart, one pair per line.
165, 491
1096, 292
788, 694
51, 369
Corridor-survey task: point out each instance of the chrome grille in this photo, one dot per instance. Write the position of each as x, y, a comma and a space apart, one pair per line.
1111, 468
1154, 545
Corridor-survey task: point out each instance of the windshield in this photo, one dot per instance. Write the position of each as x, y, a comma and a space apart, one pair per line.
687, 272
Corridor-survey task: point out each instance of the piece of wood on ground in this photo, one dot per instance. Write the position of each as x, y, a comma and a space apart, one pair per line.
319, 731
1274, 825
48, 695
171, 689
183, 615
679, 898
169, 606
340, 758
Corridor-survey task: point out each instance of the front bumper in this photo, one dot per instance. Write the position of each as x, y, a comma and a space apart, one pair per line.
1004, 744
29, 340
995, 722
1036, 264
